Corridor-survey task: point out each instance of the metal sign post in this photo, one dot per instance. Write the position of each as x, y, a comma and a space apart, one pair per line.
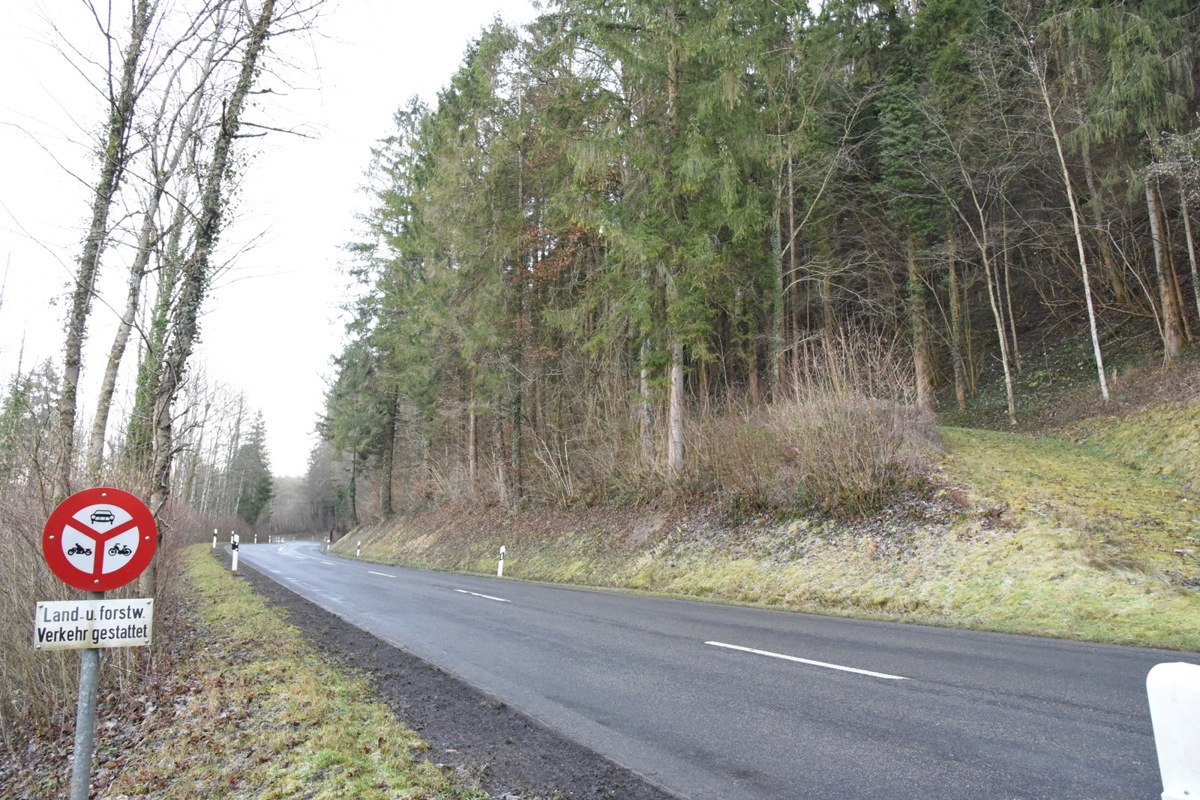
95, 540
85, 718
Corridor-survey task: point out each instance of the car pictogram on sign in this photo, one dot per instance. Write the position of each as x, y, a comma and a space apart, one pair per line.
103, 515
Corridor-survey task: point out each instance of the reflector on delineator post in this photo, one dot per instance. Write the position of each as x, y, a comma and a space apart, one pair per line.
1174, 693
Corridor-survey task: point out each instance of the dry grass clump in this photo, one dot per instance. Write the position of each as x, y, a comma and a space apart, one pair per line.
40, 687
845, 442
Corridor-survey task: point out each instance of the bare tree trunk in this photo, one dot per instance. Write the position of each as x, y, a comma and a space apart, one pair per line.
645, 410
998, 316
472, 442
114, 159
388, 456
1172, 323
956, 354
775, 351
1112, 273
352, 491
518, 478
1008, 301
675, 414
501, 457
983, 243
920, 330
1039, 73
1191, 244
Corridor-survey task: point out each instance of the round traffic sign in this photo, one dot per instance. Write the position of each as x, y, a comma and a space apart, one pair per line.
99, 539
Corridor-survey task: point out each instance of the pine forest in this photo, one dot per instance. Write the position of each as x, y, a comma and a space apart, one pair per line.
750, 251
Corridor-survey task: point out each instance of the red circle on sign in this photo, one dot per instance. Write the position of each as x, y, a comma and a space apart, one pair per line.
99, 539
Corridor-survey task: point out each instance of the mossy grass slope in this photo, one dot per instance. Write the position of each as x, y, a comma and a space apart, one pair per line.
1027, 533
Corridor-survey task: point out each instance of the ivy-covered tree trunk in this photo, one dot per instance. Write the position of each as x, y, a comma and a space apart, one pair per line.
139, 435
178, 131
115, 155
196, 273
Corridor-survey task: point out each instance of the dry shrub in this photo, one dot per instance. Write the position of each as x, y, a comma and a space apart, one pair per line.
852, 454
42, 686
845, 441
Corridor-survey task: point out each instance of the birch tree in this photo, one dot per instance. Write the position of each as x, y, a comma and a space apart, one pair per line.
1038, 64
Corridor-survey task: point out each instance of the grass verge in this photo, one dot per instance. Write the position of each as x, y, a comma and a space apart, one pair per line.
259, 715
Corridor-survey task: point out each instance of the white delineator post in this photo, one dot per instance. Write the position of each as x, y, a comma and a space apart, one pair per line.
214, 538
500, 566
233, 545
358, 550
1174, 693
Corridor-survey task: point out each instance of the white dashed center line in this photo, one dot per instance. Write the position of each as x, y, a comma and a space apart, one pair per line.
484, 596
839, 667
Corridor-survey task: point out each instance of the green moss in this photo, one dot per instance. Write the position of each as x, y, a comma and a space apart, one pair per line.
1161, 440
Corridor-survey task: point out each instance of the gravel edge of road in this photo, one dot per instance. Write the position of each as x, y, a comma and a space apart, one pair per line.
507, 754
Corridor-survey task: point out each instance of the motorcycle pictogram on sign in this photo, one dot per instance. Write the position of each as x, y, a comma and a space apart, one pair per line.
99, 539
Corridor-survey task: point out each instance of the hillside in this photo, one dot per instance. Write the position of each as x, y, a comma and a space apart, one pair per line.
1087, 526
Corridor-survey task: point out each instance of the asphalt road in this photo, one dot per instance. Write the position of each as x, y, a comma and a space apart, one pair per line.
713, 702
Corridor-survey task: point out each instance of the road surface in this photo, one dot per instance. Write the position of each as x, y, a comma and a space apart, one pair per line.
714, 702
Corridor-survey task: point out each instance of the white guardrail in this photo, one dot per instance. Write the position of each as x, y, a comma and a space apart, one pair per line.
1174, 693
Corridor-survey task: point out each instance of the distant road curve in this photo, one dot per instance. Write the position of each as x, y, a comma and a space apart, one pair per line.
714, 702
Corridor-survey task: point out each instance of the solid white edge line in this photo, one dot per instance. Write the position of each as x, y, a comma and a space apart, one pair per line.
380, 574
484, 596
883, 675
328, 563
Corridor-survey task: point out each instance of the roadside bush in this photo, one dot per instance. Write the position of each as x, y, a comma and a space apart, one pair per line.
42, 686
845, 441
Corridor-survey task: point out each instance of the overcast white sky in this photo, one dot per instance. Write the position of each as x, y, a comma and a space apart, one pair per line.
282, 296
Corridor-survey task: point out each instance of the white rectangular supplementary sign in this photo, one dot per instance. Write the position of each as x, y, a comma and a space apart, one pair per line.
79, 624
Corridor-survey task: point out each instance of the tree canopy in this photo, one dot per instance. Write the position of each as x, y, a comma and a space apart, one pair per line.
626, 220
